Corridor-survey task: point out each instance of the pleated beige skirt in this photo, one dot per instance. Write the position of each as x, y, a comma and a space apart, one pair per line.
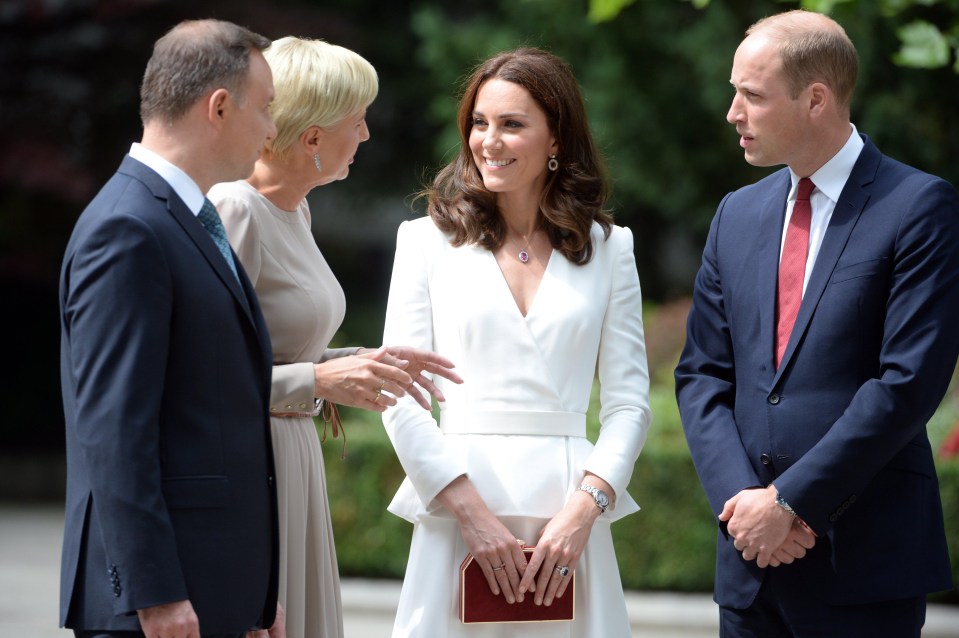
309, 575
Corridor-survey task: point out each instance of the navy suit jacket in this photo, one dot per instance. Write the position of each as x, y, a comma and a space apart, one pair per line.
165, 370
840, 427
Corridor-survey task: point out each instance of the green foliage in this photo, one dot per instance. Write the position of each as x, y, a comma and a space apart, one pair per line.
923, 46
370, 542
603, 10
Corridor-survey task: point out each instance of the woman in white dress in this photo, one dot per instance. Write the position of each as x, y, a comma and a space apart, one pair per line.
322, 93
519, 276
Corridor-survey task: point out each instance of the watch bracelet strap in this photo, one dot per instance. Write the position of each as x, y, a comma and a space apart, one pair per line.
592, 491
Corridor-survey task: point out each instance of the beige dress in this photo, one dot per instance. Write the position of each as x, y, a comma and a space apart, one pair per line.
303, 305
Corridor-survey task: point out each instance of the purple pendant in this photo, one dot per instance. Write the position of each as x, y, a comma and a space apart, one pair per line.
523, 256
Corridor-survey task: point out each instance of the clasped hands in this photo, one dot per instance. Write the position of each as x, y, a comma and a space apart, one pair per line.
372, 379
763, 531
500, 555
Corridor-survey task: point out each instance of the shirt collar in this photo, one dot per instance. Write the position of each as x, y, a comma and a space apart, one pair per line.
831, 177
181, 183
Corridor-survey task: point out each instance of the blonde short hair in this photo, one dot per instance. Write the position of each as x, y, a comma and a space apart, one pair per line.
316, 84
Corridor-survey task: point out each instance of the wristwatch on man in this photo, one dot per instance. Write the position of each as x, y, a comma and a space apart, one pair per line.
599, 496
781, 502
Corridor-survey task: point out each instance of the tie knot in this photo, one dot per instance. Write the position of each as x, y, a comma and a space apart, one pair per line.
805, 189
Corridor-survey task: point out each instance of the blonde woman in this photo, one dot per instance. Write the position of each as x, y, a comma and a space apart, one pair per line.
322, 93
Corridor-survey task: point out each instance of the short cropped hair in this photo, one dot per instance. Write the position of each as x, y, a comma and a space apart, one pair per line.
192, 59
316, 84
813, 48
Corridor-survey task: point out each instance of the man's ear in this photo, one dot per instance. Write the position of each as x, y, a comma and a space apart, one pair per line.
219, 106
819, 97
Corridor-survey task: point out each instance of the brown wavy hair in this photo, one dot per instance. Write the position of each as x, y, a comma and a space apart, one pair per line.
574, 196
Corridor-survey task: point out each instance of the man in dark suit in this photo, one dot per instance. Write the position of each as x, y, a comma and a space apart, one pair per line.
821, 339
165, 365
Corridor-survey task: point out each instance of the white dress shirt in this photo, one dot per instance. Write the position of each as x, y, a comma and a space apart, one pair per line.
830, 179
181, 183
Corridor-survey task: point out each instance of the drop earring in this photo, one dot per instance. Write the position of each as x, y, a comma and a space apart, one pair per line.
553, 163
316, 162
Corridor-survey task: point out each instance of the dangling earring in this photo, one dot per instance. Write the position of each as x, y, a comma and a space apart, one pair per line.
316, 162
553, 163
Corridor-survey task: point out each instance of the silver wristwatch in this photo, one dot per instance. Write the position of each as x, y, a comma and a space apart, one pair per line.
599, 496
781, 502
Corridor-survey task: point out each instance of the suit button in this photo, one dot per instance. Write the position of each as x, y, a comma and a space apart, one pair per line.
269, 481
774, 398
765, 460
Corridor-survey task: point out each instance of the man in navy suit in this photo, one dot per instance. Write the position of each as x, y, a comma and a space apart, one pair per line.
807, 419
165, 366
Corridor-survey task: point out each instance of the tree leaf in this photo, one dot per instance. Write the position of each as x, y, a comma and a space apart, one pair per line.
606, 10
923, 46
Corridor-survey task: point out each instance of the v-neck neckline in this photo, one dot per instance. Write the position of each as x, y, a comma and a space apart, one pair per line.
509, 291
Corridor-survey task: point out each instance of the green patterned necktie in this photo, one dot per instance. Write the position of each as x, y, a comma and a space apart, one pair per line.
211, 222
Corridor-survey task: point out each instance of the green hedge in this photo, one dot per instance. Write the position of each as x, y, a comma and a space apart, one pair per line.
669, 545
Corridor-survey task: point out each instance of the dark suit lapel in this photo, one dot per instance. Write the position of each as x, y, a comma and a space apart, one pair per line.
772, 217
852, 202
204, 242
192, 226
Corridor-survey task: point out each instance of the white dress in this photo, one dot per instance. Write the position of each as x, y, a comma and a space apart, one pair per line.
516, 426
303, 305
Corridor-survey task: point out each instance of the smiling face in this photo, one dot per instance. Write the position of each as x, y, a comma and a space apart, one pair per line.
338, 146
772, 125
510, 139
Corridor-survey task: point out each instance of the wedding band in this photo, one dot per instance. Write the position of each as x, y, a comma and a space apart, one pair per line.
562, 571
496, 569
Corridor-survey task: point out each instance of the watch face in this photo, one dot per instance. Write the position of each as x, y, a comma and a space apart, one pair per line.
601, 499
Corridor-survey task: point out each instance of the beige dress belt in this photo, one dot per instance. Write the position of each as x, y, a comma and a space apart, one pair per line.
513, 422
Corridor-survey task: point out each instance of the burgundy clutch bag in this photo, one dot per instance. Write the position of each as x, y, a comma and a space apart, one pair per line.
479, 605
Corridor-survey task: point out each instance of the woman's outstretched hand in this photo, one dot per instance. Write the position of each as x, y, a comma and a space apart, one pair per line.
372, 379
419, 361
369, 380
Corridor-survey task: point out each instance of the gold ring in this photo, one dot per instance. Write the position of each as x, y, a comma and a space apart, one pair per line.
496, 569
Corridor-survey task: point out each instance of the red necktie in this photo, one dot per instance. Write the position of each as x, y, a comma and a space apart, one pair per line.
792, 267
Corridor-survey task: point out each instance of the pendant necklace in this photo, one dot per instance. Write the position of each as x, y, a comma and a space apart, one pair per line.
523, 255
